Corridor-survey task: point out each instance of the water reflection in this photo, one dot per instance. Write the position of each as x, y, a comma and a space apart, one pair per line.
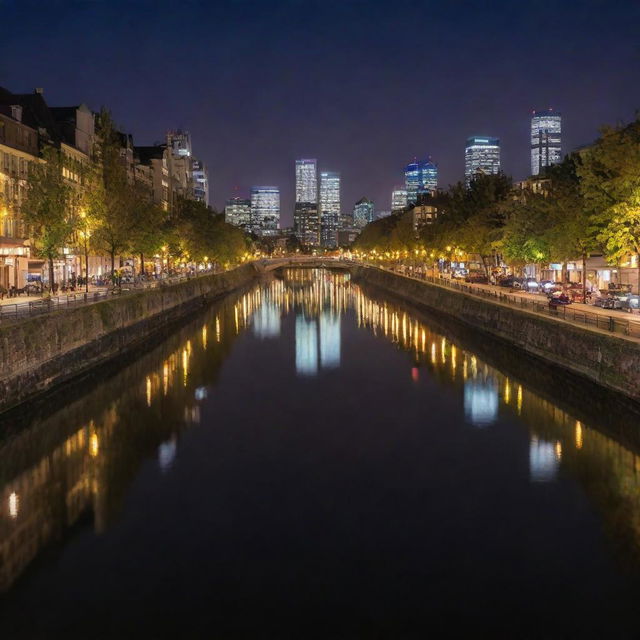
83, 458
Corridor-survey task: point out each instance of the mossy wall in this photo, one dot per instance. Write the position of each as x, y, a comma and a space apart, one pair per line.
41, 352
610, 360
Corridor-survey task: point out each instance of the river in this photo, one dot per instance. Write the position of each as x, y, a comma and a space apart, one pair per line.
309, 459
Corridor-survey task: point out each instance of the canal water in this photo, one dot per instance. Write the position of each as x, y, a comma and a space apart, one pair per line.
308, 459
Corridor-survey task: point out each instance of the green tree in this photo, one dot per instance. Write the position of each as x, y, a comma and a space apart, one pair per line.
609, 174
49, 207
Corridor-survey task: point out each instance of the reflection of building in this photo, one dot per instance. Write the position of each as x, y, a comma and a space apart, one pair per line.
306, 346
265, 210
481, 156
329, 208
543, 461
480, 402
546, 140
363, 213
266, 320
329, 340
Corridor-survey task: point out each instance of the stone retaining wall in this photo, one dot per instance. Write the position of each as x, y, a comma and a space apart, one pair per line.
42, 352
610, 360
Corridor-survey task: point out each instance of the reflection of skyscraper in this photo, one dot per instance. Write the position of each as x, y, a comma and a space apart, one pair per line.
329, 340
543, 461
306, 346
266, 320
480, 402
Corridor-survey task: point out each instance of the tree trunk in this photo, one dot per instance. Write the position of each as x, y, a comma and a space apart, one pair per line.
484, 264
86, 264
563, 275
113, 267
141, 265
584, 278
638, 266
51, 276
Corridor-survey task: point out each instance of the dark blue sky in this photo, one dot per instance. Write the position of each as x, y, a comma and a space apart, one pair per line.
362, 86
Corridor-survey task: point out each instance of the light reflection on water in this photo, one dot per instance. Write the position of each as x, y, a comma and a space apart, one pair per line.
88, 454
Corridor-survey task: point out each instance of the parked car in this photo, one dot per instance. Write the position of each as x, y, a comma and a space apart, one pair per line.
531, 285
477, 278
512, 282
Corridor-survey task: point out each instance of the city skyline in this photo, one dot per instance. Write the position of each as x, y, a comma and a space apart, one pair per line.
242, 145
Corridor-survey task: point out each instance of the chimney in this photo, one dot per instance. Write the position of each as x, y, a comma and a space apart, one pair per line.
39, 90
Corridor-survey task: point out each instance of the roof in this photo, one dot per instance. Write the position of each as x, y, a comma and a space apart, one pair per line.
35, 112
147, 154
364, 201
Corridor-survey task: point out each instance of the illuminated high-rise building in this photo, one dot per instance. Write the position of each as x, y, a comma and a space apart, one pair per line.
237, 211
363, 213
306, 219
265, 210
420, 178
546, 139
329, 208
481, 156
398, 199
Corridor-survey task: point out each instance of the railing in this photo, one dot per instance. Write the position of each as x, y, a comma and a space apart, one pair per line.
30, 308
569, 313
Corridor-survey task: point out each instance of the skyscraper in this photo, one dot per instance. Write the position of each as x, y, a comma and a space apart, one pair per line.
237, 211
306, 221
363, 213
329, 208
200, 181
546, 139
420, 177
481, 155
265, 210
398, 199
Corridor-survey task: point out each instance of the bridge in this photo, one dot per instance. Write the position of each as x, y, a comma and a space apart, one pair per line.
306, 262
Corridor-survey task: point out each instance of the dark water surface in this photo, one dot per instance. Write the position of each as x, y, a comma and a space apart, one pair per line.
307, 460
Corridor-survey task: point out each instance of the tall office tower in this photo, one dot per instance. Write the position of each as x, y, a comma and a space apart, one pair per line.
398, 199
428, 176
546, 140
200, 181
481, 155
363, 213
329, 208
265, 210
420, 177
412, 181
306, 220
237, 211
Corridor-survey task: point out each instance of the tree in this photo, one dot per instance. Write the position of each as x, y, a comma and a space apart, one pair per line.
49, 207
112, 198
610, 184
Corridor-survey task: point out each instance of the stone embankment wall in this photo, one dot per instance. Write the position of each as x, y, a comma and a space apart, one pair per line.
42, 352
610, 360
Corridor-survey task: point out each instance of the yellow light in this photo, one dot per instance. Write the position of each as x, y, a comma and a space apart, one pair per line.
558, 450
578, 434
148, 391
519, 398
507, 391
94, 445
204, 336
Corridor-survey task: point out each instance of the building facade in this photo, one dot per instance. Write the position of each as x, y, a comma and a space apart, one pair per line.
329, 206
546, 140
481, 156
420, 177
306, 217
363, 213
237, 211
265, 210
398, 199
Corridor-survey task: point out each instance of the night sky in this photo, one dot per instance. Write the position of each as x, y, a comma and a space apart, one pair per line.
362, 86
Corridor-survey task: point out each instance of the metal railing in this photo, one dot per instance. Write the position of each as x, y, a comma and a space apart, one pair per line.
578, 315
45, 305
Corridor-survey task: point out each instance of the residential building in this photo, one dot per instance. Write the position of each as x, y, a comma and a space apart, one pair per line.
398, 199
306, 218
329, 208
481, 156
265, 210
546, 139
424, 212
363, 213
155, 159
237, 211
